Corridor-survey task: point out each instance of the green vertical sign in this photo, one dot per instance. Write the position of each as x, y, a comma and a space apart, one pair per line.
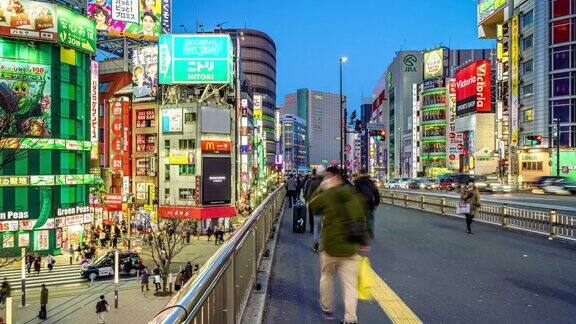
76, 31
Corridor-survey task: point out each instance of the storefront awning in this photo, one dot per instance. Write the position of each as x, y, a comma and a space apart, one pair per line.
196, 212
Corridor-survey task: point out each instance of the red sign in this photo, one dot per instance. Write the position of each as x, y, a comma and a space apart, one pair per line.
120, 148
473, 88
196, 212
113, 202
378, 101
216, 147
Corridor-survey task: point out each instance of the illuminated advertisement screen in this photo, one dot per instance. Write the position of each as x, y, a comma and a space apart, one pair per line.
25, 92
145, 73
216, 185
434, 64
486, 8
131, 18
28, 19
196, 59
473, 88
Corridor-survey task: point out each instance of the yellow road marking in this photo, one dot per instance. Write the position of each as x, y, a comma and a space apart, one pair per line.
390, 302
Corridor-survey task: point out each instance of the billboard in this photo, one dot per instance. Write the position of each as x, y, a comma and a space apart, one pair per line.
434, 64
196, 59
145, 73
76, 31
216, 147
515, 76
216, 184
28, 19
26, 90
120, 151
486, 8
171, 120
131, 18
94, 109
473, 93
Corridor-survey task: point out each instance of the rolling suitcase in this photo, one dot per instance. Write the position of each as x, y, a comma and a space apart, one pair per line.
299, 218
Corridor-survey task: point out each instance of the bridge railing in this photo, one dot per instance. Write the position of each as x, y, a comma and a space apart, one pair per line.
221, 289
555, 223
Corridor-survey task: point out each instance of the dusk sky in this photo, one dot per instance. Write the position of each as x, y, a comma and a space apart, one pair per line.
311, 35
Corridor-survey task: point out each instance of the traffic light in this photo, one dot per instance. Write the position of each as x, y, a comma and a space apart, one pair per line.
379, 135
534, 139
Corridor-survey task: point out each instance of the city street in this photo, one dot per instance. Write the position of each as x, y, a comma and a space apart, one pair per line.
442, 274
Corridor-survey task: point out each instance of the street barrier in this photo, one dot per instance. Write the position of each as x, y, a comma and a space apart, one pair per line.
220, 291
554, 223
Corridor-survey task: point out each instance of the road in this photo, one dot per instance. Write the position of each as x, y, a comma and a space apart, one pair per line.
443, 274
549, 201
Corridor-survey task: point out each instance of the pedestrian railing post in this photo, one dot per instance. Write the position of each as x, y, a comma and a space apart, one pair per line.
392, 197
422, 202
505, 216
443, 206
405, 200
553, 223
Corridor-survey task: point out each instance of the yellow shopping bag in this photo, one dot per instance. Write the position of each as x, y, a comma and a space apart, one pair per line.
365, 273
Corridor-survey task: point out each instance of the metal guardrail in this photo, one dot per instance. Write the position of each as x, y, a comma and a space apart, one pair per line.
550, 222
220, 291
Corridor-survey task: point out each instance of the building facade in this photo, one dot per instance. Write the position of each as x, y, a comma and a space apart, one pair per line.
321, 112
365, 116
293, 143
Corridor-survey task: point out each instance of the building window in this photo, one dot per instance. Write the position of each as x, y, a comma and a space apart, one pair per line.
167, 147
527, 18
166, 193
561, 31
531, 166
560, 8
528, 67
187, 169
560, 58
187, 144
167, 173
189, 118
528, 115
561, 109
186, 194
528, 42
560, 84
528, 90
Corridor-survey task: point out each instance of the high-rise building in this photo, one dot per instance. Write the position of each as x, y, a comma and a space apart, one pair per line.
535, 63
293, 143
258, 65
365, 116
320, 110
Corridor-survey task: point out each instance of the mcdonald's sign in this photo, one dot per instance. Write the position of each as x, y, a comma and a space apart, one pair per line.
216, 147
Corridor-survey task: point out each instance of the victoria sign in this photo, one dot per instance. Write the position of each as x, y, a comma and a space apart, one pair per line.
473, 92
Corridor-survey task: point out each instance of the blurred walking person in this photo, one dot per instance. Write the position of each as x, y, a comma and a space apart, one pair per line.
145, 279
369, 192
101, 308
343, 236
291, 186
43, 314
37, 263
315, 220
5, 291
470, 195
50, 261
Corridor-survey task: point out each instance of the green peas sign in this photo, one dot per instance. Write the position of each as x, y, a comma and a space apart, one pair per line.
76, 31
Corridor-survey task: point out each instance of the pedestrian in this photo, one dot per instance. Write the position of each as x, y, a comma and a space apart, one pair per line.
102, 237
221, 235
156, 279
291, 186
343, 237
299, 186
71, 253
29, 261
5, 291
210, 231
470, 195
43, 314
50, 261
144, 279
37, 263
101, 308
115, 241
314, 220
79, 250
178, 281
371, 196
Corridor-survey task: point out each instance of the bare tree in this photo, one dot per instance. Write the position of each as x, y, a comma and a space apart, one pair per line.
166, 242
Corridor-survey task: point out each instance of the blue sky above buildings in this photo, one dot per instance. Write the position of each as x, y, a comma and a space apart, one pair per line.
311, 35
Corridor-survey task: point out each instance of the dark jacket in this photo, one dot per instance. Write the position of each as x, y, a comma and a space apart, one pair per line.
368, 190
311, 187
44, 296
338, 206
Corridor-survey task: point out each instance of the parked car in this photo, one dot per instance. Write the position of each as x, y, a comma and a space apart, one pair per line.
415, 183
403, 183
391, 183
429, 184
130, 262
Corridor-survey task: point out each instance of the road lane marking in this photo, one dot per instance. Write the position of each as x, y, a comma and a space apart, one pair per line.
391, 303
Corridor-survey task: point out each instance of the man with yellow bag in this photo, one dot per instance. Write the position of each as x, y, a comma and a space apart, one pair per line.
344, 235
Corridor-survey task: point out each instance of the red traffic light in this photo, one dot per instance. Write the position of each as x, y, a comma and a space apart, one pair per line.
538, 138
383, 133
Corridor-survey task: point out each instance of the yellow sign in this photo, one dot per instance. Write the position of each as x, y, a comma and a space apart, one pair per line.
257, 113
181, 157
514, 70
12, 181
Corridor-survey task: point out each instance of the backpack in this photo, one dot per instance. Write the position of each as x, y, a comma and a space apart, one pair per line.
101, 306
365, 190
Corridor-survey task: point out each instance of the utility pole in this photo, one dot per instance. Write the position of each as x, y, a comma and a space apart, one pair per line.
342, 117
557, 120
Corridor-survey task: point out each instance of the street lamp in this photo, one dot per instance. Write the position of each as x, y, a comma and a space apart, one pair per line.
343, 114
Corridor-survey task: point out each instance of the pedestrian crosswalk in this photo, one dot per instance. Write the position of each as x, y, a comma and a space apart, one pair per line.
60, 275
